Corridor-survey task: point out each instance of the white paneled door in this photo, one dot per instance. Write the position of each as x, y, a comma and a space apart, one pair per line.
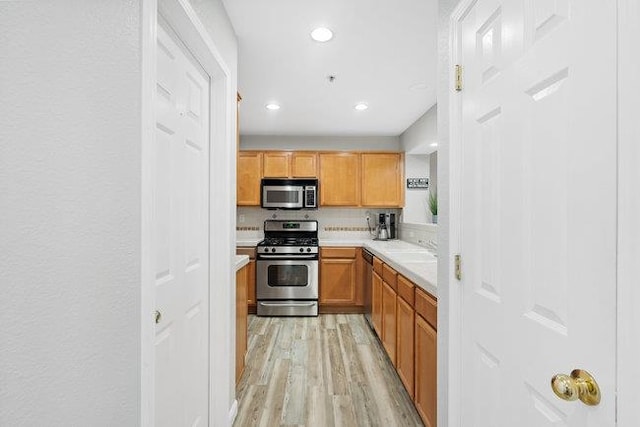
181, 237
538, 208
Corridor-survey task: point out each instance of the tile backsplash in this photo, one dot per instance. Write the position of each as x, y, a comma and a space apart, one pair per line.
334, 223
419, 233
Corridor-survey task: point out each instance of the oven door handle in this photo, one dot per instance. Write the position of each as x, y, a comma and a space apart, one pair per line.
287, 256
288, 304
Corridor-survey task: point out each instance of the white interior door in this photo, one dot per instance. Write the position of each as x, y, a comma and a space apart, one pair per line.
538, 208
181, 237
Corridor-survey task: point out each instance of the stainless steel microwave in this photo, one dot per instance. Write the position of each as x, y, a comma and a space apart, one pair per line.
289, 193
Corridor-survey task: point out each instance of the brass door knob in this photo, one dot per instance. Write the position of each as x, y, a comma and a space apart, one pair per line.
579, 385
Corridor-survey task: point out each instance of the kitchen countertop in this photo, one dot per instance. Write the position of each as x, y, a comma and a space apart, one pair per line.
241, 261
414, 262
249, 242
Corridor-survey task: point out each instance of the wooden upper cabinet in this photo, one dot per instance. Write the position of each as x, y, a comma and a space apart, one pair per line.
248, 179
339, 179
286, 164
382, 179
304, 165
277, 164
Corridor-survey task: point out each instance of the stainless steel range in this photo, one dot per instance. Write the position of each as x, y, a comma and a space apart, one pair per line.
287, 269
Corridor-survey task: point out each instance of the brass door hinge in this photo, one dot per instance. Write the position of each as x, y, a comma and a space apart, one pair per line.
458, 78
458, 266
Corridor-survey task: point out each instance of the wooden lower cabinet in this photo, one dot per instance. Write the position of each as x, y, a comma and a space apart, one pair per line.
251, 286
398, 315
405, 344
341, 287
241, 320
376, 303
389, 321
426, 371
250, 251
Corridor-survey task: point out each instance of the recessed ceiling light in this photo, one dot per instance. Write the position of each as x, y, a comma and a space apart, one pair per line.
361, 106
322, 34
272, 106
433, 144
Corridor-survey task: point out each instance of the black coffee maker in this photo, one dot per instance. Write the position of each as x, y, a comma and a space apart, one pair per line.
391, 226
383, 232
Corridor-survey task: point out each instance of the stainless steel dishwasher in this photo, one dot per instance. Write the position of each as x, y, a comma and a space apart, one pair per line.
366, 280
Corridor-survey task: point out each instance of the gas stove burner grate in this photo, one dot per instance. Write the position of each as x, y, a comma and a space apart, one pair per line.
297, 241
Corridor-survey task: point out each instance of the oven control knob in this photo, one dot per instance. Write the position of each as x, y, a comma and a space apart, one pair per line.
273, 249
301, 250
308, 249
266, 249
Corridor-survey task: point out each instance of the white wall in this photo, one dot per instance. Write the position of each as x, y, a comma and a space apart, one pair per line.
418, 137
319, 143
216, 21
416, 143
70, 128
416, 207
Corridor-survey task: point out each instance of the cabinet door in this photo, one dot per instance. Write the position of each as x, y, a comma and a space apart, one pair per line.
251, 283
304, 165
426, 371
249, 175
338, 281
339, 179
277, 164
376, 303
404, 349
389, 321
382, 179
241, 321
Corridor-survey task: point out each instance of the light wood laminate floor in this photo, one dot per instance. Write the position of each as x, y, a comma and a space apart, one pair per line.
320, 371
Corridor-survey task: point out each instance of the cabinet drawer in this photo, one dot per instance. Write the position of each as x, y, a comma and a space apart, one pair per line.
338, 252
406, 289
377, 266
427, 307
249, 251
390, 276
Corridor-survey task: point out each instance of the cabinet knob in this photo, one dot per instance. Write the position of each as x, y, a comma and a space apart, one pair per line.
158, 316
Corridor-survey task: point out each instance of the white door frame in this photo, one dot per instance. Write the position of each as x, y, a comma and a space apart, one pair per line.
628, 351
628, 374
184, 21
454, 305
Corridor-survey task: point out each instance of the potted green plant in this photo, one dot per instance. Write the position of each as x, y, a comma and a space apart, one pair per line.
433, 206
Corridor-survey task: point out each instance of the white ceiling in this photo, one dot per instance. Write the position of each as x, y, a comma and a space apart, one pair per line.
380, 49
